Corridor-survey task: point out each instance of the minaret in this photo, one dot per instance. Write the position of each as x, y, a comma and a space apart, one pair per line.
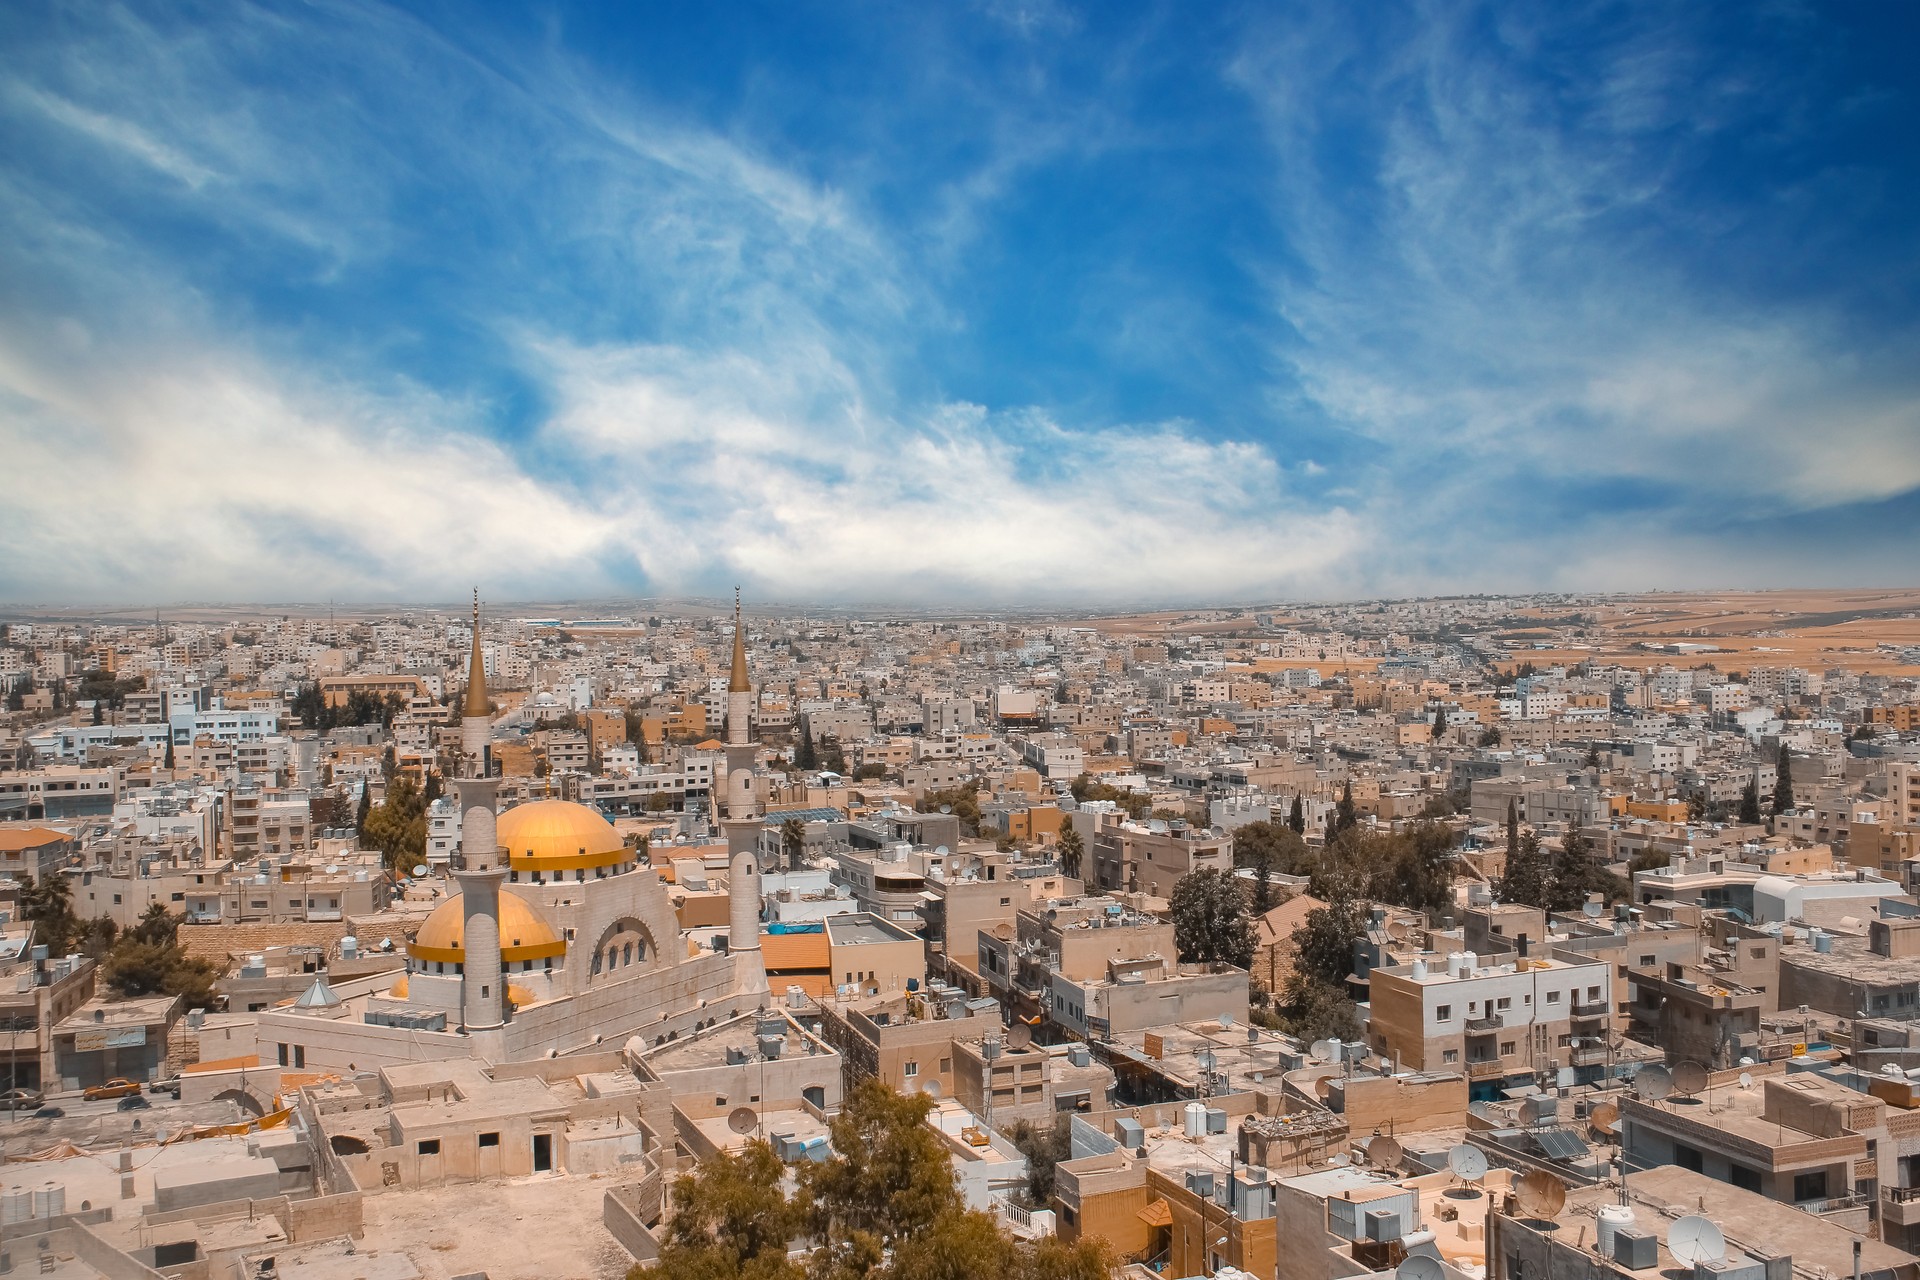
474, 720
740, 821
482, 869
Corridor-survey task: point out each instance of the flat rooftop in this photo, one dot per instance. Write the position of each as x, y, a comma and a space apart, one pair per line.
855, 930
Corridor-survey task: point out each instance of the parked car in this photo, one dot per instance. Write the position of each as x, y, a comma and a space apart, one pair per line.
134, 1102
170, 1085
118, 1087
48, 1113
21, 1100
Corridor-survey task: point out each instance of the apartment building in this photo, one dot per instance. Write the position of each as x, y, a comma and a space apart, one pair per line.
1501, 1022
1150, 857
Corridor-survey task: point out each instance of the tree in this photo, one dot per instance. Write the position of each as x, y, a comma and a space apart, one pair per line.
1210, 924
1529, 879
891, 1181
1593, 757
832, 758
1086, 788
1072, 849
1491, 736
793, 841
1750, 802
731, 1217
47, 903
397, 827
1323, 944
805, 757
884, 1205
1513, 827
1440, 723
1783, 781
1044, 1149
1345, 811
1319, 1011
363, 811
1297, 816
149, 960
962, 801
1577, 872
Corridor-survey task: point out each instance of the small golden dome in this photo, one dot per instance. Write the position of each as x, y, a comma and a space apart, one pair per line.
523, 934
398, 991
518, 996
558, 835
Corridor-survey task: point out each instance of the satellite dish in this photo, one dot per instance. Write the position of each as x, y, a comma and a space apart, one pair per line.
1341, 1161
1605, 1118
1468, 1162
1694, 1240
1226, 1022
1689, 1078
1019, 1036
1591, 910
1323, 1088
1653, 1083
930, 1087
743, 1120
1382, 1151
1418, 1266
1325, 1050
946, 808
420, 869
1746, 1079
1541, 1195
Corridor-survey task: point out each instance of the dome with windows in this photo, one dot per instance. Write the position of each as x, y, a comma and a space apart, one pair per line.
555, 837
524, 936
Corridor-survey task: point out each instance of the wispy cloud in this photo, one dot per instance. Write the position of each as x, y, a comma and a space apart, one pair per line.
330, 300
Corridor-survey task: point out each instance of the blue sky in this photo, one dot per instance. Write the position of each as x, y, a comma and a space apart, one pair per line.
1002, 302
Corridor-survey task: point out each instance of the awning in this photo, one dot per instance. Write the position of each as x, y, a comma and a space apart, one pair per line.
1157, 1214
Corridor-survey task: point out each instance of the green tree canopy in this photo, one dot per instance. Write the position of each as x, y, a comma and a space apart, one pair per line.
1783, 781
1529, 879
1750, 802
1210, 924
397, 827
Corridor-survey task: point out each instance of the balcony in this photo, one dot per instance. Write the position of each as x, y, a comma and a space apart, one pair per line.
1589, 1056
1490, 1069
1591, 1009
1492, 1022
1900, 1206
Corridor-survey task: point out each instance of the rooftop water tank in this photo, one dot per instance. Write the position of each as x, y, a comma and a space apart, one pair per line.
1612, 1218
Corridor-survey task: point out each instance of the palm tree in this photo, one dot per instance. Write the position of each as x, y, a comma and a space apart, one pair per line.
1071, 850
793, 840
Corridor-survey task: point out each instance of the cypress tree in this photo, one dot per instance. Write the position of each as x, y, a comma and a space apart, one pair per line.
1783, 781
1750, 801
1297, 816
1440, 723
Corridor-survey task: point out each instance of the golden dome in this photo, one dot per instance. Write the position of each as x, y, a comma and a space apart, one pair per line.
523, 934
398, 990
518, 996
559, 835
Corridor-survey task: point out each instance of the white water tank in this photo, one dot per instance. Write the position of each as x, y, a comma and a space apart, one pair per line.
1612, 1218
1196, 1120
16, 1205
1419, 970
49, 1201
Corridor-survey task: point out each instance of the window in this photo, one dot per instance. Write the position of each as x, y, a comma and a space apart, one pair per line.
946, 1066
1688, 1157
1647, 962
912, 1069
283, 1055
1506, 1048
489, 1139
1451, 1055
1506, 1002
1744, 1178
299, 1056
1810, 1186
1443, 1013
428, 1147
1553, 997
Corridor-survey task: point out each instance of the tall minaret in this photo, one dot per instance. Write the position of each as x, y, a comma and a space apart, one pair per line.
474, 720
740, 820
481, 870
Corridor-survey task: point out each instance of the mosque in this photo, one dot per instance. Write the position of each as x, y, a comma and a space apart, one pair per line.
558, 938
